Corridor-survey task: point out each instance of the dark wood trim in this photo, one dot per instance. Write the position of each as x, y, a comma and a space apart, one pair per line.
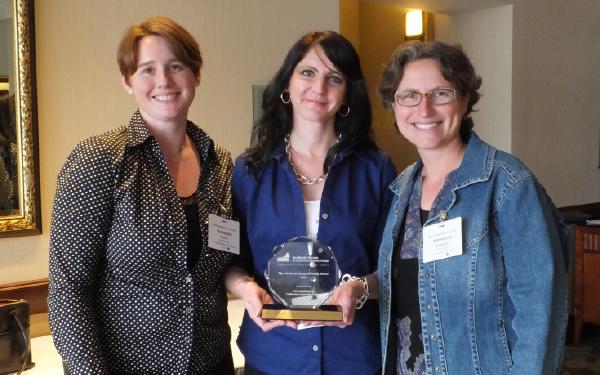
36, 293
33, 291
578, 214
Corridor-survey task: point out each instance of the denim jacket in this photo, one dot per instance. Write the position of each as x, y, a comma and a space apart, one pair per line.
500, 307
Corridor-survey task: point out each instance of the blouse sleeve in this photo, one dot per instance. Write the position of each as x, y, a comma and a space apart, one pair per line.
81, 219
239, 185
224, 184
388, 174
534, 244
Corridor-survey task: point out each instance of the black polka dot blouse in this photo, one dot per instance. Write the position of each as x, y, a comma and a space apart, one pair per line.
6, 192
121, 298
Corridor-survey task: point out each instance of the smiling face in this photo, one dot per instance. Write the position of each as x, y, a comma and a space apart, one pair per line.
429, 126
162, 86
317, 89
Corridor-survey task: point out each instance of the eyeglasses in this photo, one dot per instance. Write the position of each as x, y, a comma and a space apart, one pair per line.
435, 96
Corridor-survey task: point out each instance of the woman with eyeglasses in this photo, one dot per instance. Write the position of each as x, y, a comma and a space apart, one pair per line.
473, 258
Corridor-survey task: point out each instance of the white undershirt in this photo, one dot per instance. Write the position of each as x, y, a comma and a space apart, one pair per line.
312, 218
312, 228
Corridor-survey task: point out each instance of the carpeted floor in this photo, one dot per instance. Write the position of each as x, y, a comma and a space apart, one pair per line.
584, 358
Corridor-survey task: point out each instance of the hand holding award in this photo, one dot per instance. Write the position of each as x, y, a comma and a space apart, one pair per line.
302, 275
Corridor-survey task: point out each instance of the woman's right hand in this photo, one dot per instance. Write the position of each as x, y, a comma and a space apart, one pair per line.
254, 297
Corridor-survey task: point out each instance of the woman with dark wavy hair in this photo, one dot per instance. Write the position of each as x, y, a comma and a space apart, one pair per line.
312, 170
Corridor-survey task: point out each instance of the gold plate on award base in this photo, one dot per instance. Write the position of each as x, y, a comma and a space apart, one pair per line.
323, 313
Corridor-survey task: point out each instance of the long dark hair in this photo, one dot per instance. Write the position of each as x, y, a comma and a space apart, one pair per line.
353, 131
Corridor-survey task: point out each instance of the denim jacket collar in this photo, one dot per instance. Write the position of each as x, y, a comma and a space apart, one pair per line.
476, 166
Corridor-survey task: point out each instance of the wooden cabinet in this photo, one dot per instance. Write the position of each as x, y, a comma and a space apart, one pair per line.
587, 277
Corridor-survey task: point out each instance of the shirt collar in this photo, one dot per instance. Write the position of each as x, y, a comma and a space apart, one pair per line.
476, 165
138, 133
280, 155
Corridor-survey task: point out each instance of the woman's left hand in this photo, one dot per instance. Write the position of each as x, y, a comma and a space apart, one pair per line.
345, 296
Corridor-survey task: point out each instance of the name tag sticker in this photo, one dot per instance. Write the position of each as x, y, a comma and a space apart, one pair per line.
442, 240
223, 234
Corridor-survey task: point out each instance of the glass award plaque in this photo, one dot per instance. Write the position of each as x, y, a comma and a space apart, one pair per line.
302, 275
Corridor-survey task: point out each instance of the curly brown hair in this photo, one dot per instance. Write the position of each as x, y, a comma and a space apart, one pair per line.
454, 64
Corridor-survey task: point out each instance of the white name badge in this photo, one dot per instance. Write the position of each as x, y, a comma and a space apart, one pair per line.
223, 234
442, 240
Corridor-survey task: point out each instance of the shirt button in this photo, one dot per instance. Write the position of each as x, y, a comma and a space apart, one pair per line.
427, 275
429, 306
315, 348
432, 337
324, 216
436, 368
188, 309
188, 279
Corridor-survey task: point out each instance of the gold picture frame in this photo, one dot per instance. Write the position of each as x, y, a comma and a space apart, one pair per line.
26, 218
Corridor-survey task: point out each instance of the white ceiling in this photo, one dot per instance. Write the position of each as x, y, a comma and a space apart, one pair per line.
445, 6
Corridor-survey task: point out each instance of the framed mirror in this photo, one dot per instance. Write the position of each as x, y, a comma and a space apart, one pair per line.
19, 173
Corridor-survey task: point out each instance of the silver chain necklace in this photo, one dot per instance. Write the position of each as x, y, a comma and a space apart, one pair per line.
301, 178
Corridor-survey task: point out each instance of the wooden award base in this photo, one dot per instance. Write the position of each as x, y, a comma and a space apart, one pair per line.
322, 313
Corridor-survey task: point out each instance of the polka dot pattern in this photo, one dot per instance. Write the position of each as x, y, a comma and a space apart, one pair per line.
121, 298
6, 192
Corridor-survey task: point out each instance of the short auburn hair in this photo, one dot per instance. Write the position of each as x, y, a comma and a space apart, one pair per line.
181, 42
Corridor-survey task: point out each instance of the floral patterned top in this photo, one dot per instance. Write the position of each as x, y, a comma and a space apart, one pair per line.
409, 345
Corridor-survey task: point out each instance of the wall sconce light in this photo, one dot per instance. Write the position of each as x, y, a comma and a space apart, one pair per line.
413, 23
418, 25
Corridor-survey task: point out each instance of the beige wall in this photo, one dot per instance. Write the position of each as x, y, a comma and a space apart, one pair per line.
539, 61
556, 86
349, 22
79, 94
381, 32
486, 37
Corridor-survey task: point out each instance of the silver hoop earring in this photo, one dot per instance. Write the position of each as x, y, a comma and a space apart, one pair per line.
283, 97
345, 113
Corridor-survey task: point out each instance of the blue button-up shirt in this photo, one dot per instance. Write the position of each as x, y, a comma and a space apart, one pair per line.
352, 215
